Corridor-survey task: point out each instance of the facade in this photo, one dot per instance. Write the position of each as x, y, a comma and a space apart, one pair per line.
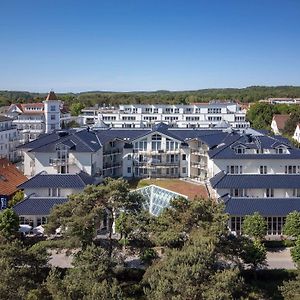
202, 115
9, 139
278, 123
44, 191
256, 174
246, 170
34, 119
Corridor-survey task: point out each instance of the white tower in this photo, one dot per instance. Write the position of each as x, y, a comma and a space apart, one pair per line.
52, 112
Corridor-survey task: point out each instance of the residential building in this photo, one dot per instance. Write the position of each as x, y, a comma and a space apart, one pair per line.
10, 178
198, 115
278, 123
9, 139
282, 100
256, 174
247, 169
33, 119
44, 191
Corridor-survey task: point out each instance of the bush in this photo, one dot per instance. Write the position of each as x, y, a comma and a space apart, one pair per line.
148, 255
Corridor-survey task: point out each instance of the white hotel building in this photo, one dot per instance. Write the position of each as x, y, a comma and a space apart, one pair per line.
201, 115
249, 171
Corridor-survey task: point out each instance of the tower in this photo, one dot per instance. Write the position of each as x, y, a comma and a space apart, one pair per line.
51, 112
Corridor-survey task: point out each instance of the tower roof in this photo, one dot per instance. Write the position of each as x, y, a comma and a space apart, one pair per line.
51, 96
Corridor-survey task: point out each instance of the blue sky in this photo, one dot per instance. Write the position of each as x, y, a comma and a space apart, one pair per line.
70, 45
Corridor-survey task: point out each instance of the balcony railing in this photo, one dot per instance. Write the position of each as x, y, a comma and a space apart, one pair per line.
112, 166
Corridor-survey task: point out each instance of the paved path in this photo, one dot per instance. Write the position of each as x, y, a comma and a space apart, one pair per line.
280, 259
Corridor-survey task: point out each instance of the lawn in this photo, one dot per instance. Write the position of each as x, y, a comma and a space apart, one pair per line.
179, 186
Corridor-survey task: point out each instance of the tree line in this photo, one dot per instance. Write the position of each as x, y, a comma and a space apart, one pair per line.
187, 251
244, 95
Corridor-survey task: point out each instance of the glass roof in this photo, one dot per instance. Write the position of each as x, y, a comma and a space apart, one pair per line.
157, 198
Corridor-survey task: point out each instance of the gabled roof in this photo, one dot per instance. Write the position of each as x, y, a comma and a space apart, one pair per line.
280, 120
10, 178
37, 206
264, 206
226, 149
72, 181
259, 181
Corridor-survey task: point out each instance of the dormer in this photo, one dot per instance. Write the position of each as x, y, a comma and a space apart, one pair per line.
240, 149
281, 149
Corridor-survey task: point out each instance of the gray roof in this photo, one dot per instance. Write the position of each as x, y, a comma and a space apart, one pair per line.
4, 118
75, 181
259, 181
37, 206
264, 206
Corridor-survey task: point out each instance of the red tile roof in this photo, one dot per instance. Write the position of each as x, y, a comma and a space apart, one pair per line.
10, 177
280, 120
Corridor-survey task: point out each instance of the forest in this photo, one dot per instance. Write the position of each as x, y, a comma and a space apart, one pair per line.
244, 95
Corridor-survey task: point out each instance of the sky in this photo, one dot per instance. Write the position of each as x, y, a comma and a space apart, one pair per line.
72, 46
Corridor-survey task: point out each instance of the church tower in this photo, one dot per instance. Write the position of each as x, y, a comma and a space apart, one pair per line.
52, 112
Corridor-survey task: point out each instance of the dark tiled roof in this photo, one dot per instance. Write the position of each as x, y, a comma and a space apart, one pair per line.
37, 206
76, 181
265, 206
248, 181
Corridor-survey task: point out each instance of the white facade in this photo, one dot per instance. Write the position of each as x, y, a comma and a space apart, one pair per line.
9, 139
33, 119
204, 115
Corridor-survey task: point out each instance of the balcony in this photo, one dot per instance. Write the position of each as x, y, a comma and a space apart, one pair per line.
112, 166
199, 165
197, 151
112, 152
55, 162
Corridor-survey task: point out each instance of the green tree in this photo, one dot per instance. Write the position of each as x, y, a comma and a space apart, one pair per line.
255, 226
295, 252
253, 253
92, 277
292, 224
290, 290
76, 108
18, 197
9, 223
83, 213
22, 270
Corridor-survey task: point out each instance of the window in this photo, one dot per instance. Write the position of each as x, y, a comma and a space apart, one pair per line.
52, 117
156, 142
234, 169
240, 150
263, 169
184, 170
129, 170
52, 126
269, 193
296, 192
128, 157
183, 156
280, 150
41, 221
52, 108
238, 192
290, 169
54, 192
141, 145
3, 203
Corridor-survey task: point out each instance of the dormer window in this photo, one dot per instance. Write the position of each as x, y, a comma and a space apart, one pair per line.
279, 150
240, 150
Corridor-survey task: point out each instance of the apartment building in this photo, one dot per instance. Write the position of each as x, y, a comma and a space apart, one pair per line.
44, 191
34, 119
9, 139
201, 115
248, 171
256, 174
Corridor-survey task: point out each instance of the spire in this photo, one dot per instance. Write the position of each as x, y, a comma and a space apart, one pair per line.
51, 96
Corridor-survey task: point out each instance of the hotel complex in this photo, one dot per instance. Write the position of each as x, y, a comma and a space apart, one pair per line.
201, 115
247, 170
